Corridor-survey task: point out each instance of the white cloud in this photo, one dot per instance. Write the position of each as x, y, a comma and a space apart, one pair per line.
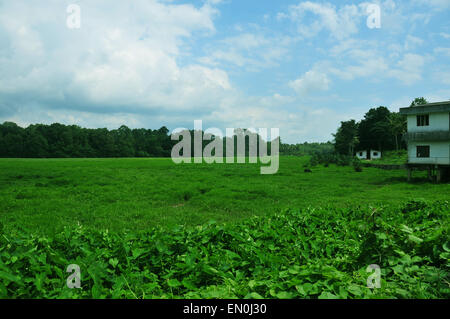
434, 4
306, 123
365, 59
409, 69
341, 23
116, 70
373, 68
442, 76
311, 81
112, 62
412, 42
251, 51
443, 51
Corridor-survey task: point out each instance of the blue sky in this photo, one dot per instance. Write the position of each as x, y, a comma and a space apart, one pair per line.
300, 66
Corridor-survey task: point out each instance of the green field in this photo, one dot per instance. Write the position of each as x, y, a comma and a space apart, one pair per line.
44, 195
147, 228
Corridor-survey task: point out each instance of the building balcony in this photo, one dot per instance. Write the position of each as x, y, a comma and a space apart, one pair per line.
433, 136
413, 160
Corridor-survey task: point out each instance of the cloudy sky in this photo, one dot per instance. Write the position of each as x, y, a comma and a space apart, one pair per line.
300, 66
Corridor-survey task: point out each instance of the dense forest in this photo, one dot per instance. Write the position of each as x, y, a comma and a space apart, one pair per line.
58, 140
305, 148
64, 141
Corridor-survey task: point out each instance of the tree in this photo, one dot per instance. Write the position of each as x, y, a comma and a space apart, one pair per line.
58, 140
398, 127
102, 141
419, 101
346, 138
374, 130
11, 140
35, 145
124, 142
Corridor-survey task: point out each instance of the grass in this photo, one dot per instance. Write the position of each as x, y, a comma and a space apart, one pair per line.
44, 195
143, 228
308, 253
392, 157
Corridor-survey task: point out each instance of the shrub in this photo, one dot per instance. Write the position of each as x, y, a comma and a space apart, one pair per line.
308, 253
327, 158
357, 165
414, 205
314, 161
344, 160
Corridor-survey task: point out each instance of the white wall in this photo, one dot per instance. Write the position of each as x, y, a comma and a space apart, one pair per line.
439, 153
373, 156
438, 122
363, 156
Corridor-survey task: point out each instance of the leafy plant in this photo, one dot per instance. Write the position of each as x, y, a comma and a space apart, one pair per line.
309, 253
357, 165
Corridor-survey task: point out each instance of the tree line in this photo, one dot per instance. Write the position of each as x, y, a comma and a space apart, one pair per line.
380, 129
59, 141
66, 141
302, 149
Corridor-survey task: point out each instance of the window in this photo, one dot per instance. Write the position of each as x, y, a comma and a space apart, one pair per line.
423, 120
375, 153
360, 154
423, 151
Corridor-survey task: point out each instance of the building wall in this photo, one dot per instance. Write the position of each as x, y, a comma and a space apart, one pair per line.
438, 122
373, 156
439, 153
363, 156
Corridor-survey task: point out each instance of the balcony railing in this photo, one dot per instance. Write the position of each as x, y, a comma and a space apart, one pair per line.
433, 136
429, 160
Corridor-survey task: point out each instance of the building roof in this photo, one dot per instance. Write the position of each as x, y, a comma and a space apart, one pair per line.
438, 107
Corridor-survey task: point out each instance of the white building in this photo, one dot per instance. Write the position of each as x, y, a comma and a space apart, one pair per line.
428, 136
367, 155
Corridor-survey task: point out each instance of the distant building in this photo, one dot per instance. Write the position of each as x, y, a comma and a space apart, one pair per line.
428, 138
368, 155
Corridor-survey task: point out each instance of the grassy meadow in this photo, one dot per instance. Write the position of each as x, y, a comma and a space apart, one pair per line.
147, 228
44, 195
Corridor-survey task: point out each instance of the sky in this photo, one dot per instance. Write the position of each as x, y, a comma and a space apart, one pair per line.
300, 66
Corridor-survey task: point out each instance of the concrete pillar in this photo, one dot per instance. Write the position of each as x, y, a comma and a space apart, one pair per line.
438, 175
430, 176
409, 170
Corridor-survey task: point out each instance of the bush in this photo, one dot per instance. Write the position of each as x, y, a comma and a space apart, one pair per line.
344, 160
327, 158
357, 165
314, 161
414, 205
308, 253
